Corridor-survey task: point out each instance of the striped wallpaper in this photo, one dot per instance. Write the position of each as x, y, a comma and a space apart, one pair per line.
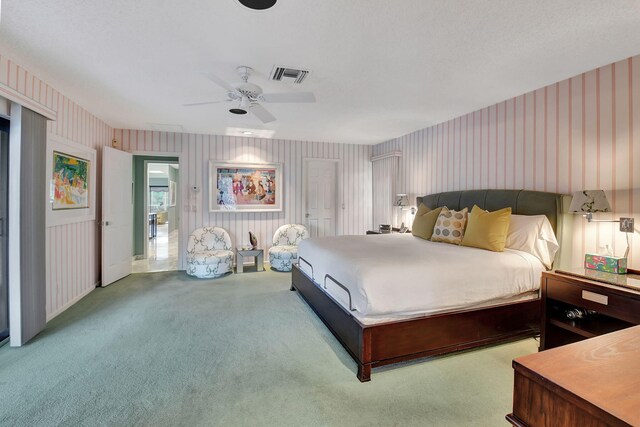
580, 133
73, 250
195, 151
576, 134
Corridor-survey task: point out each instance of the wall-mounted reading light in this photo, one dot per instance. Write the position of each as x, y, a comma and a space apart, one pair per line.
588, 202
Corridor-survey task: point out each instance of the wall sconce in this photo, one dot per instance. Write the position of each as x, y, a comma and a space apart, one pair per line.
402, 203
402, 200
587, 202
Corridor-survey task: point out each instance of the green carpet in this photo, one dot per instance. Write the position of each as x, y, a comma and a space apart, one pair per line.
165, 349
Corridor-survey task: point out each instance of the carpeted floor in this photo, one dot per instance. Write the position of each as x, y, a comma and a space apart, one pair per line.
163, 349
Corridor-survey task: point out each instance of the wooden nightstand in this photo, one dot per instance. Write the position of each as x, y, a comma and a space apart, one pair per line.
614, 307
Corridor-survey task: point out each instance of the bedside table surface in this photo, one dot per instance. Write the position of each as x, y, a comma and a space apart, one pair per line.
249, 252
630, 280
603, 371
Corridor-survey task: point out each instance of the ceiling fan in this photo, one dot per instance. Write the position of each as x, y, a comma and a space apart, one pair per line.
249, 95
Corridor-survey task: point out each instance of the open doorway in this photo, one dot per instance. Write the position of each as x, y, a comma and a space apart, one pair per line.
156, 214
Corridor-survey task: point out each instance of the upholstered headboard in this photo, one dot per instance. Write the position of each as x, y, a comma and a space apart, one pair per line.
522, 202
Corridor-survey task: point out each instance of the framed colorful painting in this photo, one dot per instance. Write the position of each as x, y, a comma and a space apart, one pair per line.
245, 187
70, 181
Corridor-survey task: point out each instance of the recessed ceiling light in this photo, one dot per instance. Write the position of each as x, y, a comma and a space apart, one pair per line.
258, 4
254, 133
166, 127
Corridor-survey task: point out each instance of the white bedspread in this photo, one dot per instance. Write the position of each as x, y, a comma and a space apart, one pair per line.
399, 274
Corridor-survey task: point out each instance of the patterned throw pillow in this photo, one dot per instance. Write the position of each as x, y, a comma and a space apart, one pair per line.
450, 226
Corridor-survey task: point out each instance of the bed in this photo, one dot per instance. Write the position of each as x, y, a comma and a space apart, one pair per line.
377, 331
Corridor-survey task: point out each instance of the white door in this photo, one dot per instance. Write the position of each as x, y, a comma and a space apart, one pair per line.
320, 195
117, 214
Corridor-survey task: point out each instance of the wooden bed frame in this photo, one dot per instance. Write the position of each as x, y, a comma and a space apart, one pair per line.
391, 342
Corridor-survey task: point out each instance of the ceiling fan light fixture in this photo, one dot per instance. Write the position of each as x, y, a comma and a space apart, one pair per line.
258, 4
237, 111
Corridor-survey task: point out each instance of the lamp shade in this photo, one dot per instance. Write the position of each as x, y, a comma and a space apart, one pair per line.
587, 201
402, 200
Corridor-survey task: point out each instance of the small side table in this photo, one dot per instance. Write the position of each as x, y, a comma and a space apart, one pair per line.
241, 254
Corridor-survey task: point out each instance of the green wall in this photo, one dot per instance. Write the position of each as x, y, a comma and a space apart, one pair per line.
139, 195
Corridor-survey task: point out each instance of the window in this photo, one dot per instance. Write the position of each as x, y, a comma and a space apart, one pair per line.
158, 198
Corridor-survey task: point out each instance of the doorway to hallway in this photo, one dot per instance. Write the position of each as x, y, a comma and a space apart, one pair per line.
156, 214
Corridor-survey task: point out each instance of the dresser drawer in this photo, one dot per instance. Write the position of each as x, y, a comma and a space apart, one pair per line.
594, 298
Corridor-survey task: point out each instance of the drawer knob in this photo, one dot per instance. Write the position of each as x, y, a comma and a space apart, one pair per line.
592, 296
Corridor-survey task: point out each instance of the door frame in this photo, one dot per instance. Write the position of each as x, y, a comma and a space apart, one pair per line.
145, 204
339, 199
146, 201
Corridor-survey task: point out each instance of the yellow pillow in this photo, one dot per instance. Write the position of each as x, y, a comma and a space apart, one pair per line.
424, 222
487, 230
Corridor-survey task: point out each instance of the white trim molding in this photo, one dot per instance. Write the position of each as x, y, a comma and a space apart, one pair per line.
386, 156
15, 96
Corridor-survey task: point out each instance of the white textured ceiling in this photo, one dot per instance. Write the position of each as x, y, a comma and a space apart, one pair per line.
381, 68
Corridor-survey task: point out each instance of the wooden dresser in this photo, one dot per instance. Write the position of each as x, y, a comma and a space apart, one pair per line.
595, 382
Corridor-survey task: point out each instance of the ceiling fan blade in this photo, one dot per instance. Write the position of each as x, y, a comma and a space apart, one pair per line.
217, 80
260, 112
289, 97
193, 104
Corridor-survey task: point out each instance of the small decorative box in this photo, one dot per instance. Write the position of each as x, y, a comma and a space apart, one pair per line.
385, 228
610, 264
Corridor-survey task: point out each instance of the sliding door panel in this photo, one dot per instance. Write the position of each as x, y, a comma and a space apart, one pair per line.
4, 267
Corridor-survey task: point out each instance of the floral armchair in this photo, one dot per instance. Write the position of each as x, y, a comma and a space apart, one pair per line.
284, 251
209, 253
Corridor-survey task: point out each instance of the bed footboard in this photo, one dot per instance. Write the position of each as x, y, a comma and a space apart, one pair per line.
342, 324
382, 344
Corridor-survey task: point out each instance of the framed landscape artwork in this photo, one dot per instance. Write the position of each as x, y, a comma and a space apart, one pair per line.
245, 187
70, 181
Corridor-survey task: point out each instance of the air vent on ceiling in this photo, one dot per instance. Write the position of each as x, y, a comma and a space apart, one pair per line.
290, 75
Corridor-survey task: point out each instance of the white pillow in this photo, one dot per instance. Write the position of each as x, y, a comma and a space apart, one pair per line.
533, 234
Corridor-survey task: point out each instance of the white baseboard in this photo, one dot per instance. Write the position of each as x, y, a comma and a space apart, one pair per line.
59, 311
